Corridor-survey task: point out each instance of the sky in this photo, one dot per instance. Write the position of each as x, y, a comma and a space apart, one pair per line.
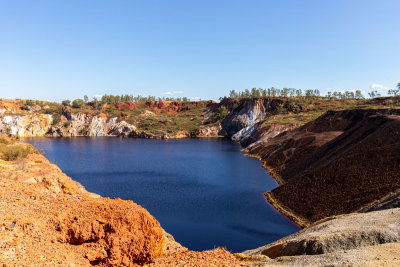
55, 50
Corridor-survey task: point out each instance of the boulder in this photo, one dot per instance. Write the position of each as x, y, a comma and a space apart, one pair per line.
116, 232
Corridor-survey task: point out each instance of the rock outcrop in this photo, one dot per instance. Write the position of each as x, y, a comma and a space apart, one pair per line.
209, 131
70, 124
245, 117
25, 125
121, 128
114, 232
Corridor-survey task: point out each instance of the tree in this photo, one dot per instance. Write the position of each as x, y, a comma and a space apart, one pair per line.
86, 98
232, 94
309, 93
394, 92
373, 94
359, 94
284, 92
247, 93
78, 103
329, 95
66, 102
398, 86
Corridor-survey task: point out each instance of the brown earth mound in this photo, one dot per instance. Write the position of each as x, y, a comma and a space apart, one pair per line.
336, 164
119, 232
48, 219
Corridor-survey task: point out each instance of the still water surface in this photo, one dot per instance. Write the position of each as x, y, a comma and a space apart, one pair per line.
202, 191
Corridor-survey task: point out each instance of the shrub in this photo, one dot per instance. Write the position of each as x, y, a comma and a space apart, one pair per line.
54, 109
14, 152
29, 103
218, 115
77, 103
67, 124
5, 140
56, 118
84, 131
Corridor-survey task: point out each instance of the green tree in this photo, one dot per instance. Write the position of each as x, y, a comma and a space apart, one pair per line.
359, 94
218, 115
394, 92
374, 94
78, 103
66, 102
86, 98
232, 94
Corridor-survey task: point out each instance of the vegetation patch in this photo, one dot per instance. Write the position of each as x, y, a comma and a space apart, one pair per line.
12, 152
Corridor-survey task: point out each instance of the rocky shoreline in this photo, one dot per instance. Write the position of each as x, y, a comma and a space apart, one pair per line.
335, 174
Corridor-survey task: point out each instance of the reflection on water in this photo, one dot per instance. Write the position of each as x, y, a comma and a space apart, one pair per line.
202, 191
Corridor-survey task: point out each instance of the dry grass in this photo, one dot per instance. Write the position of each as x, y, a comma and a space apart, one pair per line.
11, 151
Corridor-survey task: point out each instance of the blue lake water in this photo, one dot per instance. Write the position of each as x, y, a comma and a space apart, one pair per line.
204, 192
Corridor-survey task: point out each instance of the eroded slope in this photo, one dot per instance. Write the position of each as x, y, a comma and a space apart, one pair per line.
336, 164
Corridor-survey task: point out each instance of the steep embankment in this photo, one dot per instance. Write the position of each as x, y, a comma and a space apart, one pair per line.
339, 163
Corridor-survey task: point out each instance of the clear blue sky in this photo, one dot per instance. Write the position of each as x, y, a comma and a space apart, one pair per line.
64, 49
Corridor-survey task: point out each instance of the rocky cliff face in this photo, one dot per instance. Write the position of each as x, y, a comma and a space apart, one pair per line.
244, 120
158, 118
27, 125
78, 124
245, 115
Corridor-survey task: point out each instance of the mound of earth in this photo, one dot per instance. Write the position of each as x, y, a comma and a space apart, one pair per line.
343, 232
358, 239
337, 164
370, 256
